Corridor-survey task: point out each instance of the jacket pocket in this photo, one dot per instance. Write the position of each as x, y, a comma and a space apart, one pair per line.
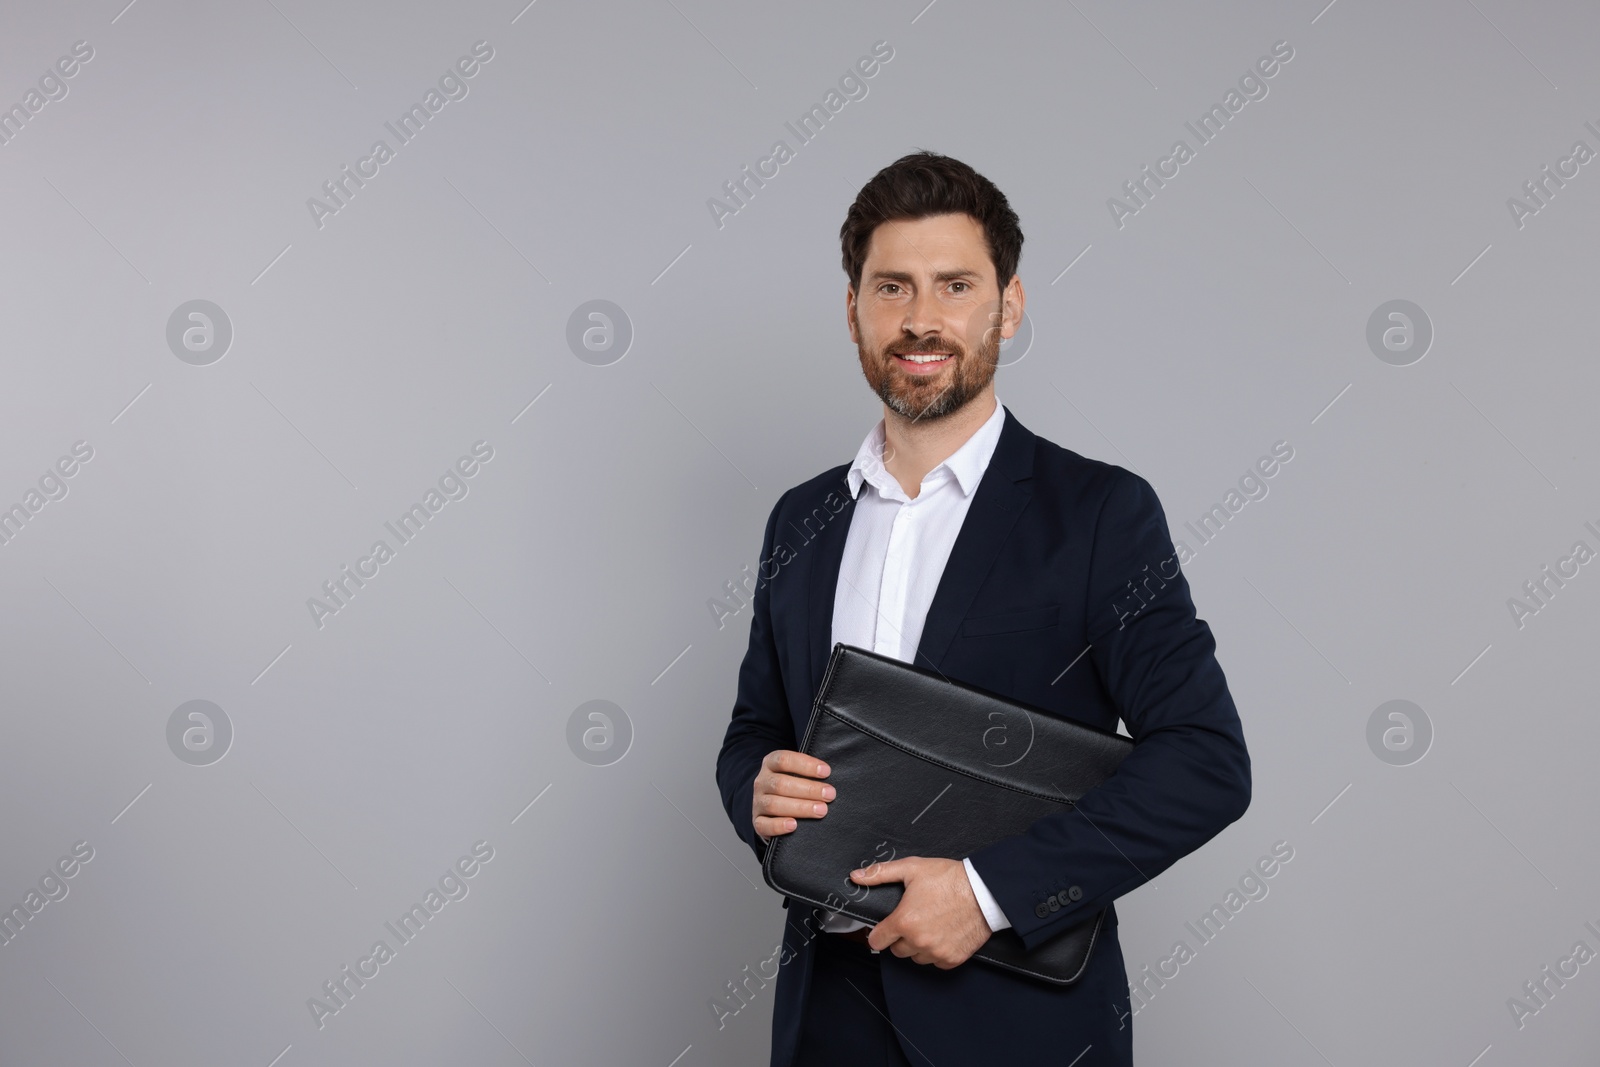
1011, 621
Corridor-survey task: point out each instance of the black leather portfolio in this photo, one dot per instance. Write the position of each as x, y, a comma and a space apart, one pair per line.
924, 766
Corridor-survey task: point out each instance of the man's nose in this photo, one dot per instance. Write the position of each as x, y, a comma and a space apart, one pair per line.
922, 315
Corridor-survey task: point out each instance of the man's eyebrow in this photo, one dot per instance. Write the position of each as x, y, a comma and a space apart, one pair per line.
940, 276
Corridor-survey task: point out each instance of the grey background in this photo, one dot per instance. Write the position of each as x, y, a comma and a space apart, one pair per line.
369, 354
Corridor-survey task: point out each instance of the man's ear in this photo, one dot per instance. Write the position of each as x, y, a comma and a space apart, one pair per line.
1012, 301
850, 313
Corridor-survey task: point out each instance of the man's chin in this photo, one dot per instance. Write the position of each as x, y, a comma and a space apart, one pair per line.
919, 404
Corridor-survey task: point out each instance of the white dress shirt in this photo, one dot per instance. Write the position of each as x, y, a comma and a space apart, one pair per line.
894, 556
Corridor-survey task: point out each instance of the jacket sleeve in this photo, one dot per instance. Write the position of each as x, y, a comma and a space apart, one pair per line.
1188, 775
761, 721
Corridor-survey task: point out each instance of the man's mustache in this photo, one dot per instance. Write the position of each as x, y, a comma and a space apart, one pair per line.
925, 348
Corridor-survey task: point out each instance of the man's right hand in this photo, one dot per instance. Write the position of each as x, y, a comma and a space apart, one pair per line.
786, 789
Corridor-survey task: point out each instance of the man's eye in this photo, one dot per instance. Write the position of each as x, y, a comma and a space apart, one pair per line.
886, 286
963, 285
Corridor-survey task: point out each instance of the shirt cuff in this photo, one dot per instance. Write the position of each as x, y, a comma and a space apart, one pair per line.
986, 903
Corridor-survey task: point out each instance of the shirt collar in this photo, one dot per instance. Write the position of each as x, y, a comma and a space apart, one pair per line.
967, 463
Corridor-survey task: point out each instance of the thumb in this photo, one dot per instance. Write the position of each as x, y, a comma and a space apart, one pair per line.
887, 871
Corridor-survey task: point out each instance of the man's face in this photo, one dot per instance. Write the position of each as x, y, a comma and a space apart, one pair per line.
928, 321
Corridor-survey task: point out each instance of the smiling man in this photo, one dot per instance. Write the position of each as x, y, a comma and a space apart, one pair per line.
963, 543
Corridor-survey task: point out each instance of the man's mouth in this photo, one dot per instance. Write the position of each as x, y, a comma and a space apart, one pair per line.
922, 359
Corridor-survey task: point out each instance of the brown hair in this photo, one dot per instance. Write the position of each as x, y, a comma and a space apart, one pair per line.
927, 183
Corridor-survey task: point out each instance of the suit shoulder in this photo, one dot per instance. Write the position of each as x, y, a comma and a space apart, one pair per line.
1083, 478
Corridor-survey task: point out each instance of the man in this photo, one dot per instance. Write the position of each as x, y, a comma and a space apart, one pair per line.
963, 543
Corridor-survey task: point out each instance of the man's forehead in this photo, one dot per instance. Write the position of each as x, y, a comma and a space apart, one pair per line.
939, 245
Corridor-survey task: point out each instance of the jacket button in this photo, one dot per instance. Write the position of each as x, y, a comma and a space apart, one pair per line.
1055, 905
1075, 893
1042, 910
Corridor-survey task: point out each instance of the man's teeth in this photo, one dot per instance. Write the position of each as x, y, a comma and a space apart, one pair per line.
914, 358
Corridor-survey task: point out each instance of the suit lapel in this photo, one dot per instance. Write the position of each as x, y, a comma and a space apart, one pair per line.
1002, 494
826, 552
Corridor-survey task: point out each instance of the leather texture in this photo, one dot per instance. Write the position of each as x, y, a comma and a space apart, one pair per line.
925, 766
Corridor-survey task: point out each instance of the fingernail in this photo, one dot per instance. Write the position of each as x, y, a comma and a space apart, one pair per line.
820, 809
828, 792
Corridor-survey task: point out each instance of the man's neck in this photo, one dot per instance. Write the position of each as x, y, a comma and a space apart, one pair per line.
913, 447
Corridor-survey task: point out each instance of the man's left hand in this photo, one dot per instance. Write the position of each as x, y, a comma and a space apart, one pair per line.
937, 921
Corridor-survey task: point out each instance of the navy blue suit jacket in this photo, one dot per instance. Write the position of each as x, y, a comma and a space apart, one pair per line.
1062, 591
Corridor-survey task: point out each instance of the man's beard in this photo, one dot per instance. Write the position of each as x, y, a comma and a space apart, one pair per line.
924, 398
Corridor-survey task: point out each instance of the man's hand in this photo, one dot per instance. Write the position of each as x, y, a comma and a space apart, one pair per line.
938, 920
786, 789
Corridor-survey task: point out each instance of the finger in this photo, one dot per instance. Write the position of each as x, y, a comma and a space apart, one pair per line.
889, 943
785, 761
887, 871
885, 934
773, 804
769, 827
789, 785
